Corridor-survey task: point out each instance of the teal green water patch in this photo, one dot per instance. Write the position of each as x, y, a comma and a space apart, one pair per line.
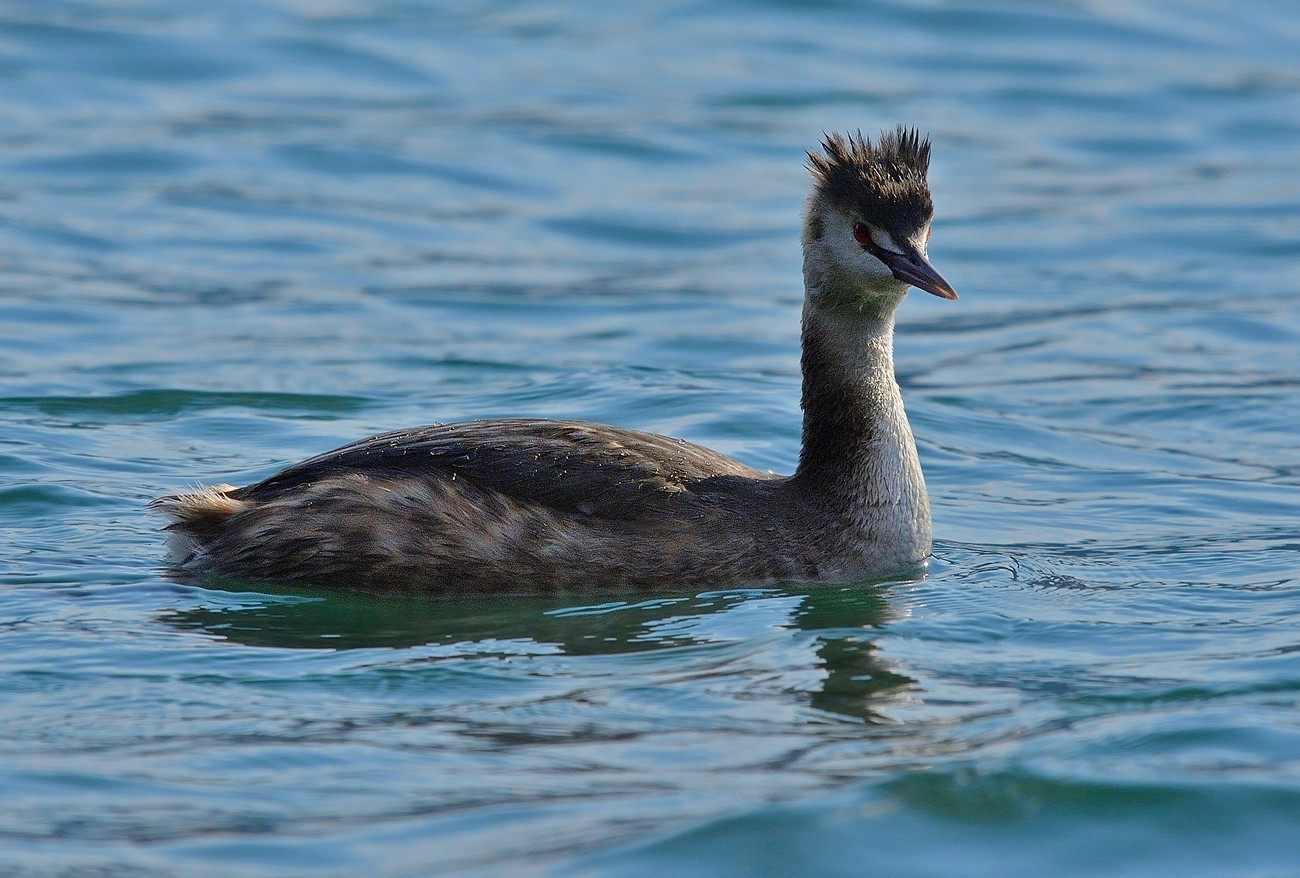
173, 402
615, 231
1010, 822
127, 54
19, 501
112, 163
616, 145
337, 161
333, 54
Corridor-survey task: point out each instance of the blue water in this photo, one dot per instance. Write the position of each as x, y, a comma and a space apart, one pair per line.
236, 234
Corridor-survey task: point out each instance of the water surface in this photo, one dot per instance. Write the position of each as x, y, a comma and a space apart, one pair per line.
235, 235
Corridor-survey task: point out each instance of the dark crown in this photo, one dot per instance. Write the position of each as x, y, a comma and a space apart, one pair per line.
882, 183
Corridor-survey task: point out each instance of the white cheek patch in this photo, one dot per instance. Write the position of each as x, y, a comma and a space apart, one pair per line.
883, 240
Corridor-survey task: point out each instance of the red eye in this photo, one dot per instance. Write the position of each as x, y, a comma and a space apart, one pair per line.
862, 234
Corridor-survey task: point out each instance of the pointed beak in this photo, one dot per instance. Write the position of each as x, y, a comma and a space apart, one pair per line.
913, 268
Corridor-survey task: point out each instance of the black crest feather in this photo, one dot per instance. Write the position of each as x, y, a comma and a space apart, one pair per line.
882, 182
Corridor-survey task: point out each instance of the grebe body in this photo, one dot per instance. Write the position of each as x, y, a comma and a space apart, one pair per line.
523, 505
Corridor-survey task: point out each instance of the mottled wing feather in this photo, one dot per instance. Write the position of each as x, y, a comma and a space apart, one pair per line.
573, 466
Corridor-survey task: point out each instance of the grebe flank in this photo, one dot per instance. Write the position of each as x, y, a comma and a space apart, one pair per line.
524, 505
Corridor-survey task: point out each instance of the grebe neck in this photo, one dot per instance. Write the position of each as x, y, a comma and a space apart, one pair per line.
858, 455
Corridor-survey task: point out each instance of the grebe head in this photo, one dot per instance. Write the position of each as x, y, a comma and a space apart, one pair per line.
867, 223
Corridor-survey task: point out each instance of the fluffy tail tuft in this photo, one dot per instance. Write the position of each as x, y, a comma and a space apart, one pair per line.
195, 516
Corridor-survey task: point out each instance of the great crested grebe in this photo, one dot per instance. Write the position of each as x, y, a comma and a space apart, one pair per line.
523, 505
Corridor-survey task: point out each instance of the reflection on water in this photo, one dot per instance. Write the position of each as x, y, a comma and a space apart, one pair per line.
832, 628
